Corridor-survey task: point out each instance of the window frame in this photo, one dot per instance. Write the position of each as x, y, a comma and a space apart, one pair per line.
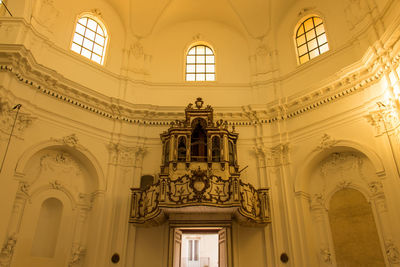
101, 23
299, 23
188, 48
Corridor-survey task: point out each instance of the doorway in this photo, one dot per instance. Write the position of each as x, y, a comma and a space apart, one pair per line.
200, 247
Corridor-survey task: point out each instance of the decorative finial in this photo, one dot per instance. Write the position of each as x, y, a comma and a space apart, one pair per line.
199, 103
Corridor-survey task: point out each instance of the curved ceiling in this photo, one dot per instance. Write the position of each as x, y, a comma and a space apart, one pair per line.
251, 16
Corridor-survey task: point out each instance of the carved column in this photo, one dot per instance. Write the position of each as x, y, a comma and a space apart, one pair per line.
78, 249
322, 230
14, 225
392, 254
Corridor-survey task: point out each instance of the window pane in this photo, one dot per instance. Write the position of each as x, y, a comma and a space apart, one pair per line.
308, 24
88, 44
200, 68
322, 39
302, 50
89, 34
301, 40
324, 48
92, 24
190, 68
86, 53
78, 39
310, 35
100, 30
210, 68
99, 40
98, 49
190, 77
210, 77
312, 44
314, 53
317, 21
200, 50
192, 51
80, 29
200, 59
83, 21
304, 59
300, 30
200, 77
76, 48
191, 59
210, 59
96, 58
320, 29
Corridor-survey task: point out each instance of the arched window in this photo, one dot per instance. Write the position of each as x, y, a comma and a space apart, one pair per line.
198, 142
200, 64
90, 39
311, 39
216, 149
231, 149
182, 148
166, 153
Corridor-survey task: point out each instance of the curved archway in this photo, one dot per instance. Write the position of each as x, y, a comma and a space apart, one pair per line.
315, 156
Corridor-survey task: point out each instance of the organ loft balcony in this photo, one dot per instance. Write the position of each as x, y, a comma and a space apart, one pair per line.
199, 174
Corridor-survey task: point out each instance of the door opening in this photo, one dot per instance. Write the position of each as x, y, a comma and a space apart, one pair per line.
200, 247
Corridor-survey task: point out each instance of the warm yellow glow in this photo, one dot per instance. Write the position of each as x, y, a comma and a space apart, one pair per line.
89, 40
200, 64
311, 39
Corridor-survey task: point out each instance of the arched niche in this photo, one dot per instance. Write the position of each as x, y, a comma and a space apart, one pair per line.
354, 232
314, 158
346, 166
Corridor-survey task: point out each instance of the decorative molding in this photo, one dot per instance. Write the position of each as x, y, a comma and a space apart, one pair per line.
60, 88
8, 250
392, 252
278, 155
71, 141
344, 184
317, 201
340, 162
326, 142
60, 162
56, 185
376, 188
97, 12
7, 117
326, 255
124, 155
77, 254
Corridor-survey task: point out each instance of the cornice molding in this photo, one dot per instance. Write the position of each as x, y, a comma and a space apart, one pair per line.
16, 59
